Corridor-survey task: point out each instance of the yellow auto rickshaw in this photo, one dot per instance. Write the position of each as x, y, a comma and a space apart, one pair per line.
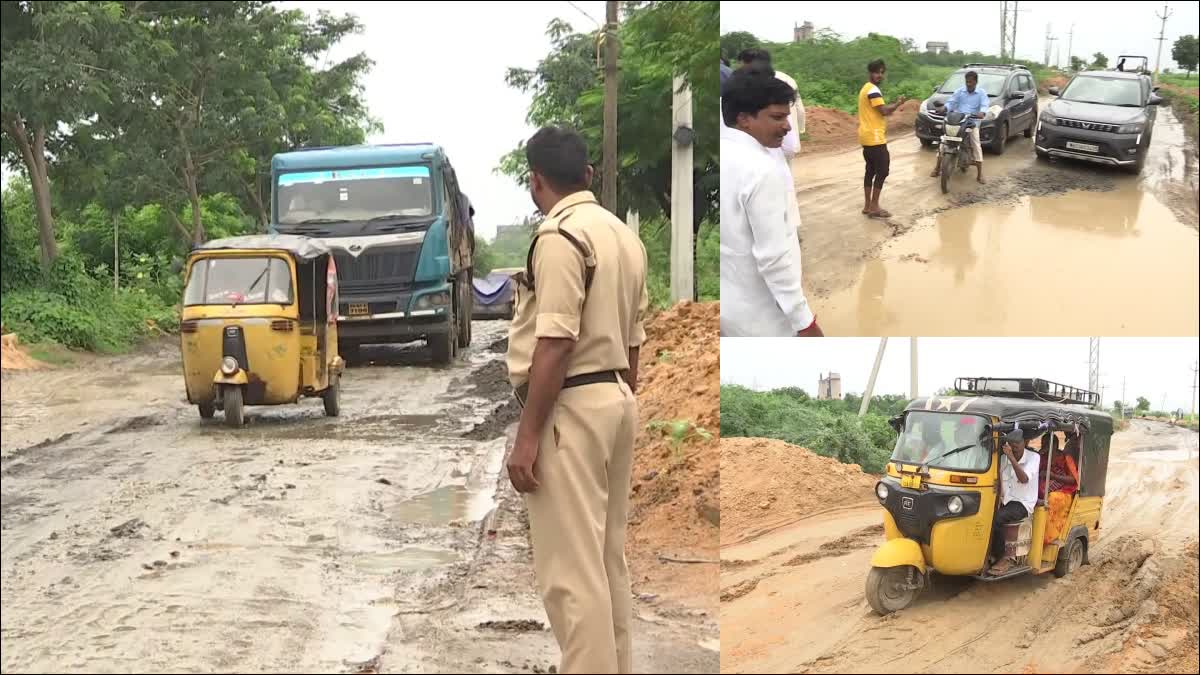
259, 324
942, 489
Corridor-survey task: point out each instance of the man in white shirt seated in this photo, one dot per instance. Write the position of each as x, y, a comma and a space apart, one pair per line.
1018, 493
761, 291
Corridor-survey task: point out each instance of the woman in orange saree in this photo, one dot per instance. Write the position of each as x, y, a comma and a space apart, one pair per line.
1064, 482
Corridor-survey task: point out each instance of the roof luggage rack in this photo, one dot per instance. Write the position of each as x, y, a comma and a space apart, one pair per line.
1010, 66
1028, 388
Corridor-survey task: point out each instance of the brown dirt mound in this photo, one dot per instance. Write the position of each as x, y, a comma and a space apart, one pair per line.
1054, 81
769, 481
676, 502
12, 357
830, 129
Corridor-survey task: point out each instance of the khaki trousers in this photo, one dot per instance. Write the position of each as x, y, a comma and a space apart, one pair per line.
577, 519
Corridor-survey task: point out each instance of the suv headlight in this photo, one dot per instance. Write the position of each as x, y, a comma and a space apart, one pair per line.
1047, 118
1135, 128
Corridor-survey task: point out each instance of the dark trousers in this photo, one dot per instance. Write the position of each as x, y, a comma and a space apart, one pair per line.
1012, 512
879, 163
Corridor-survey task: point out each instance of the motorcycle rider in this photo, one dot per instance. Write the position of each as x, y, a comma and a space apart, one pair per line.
972, 101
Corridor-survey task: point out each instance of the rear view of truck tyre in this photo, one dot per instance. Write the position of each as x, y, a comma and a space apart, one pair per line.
465, 307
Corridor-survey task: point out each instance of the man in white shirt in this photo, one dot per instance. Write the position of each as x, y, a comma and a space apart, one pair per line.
761, 291
791, 142
1018, 493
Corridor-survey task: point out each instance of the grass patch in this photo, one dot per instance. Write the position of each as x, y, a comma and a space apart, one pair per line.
51, 353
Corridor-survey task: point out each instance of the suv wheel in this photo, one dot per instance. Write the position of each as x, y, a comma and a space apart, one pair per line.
1001, 139
1028, 133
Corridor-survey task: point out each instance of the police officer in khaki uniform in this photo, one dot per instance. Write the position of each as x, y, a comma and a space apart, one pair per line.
572, 359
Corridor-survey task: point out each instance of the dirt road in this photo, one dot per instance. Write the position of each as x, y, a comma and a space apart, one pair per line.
795, 600
1042, 246
137, 537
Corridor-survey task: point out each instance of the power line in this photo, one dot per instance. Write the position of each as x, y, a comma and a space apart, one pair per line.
580, 10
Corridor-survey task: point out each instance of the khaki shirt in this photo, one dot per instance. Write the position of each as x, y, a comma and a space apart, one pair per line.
610, 321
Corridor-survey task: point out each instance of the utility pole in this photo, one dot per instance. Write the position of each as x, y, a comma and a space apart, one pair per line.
116, 253
1070, 42
608, 194
862, 410
1094, 364
1008, 31
1195, 381
912, 369
683, 281
1049, 44
1162, 35
1003, 26
1123, 401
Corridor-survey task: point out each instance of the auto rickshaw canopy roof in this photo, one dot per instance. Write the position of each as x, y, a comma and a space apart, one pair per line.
300, 247
1011, 409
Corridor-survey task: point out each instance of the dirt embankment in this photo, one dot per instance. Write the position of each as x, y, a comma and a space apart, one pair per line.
1059, 81
830, 129
676, 505
12, 357
778, 483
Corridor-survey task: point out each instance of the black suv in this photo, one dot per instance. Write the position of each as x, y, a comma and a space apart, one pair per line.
1105, 117
1012, 92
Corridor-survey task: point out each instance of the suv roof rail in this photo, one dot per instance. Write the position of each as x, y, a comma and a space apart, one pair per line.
1026, 387
1010, 66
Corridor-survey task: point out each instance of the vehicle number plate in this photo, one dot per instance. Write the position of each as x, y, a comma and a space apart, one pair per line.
1086, 147
358, 309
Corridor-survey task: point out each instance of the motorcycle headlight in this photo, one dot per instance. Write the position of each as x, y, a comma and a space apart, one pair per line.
952, 129
1047, 118
229, 365
1135, 128
881, 491
955, 505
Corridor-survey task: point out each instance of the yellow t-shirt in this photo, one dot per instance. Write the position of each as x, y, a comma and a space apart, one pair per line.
872, 125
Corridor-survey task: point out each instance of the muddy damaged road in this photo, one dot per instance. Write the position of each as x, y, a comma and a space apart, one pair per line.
1045, 244
793, 600
137, 537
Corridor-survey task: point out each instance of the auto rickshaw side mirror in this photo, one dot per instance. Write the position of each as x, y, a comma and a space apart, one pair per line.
897, 422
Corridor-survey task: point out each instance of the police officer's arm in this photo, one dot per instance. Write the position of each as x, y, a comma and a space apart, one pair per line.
638, 334
558, 270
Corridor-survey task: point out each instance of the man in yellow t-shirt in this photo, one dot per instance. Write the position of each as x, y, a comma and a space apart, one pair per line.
872, 134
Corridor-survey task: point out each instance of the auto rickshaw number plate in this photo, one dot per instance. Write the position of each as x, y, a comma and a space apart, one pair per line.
358, 309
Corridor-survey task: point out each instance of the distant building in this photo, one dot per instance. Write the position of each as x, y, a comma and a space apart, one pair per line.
937, 47
803, 33
830, 387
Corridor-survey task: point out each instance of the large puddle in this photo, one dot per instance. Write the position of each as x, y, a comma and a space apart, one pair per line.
1083, 263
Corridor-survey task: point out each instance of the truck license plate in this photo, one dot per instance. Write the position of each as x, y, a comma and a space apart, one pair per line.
1086, 147
358, 309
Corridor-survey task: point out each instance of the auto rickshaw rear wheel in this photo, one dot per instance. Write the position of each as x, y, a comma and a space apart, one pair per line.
207, 410
234, 411
1069, 558
888, 589
332, 397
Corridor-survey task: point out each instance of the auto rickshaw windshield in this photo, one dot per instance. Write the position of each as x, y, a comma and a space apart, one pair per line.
239, 281
944, 441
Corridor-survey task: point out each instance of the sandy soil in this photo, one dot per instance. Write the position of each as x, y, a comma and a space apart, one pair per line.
874, 277
795, 601
137, 537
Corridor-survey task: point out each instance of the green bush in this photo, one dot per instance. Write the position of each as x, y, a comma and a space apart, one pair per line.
830, 428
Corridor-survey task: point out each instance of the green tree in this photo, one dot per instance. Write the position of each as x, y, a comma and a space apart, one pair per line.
733, 43
1077, 64
1186, 52
51, 82
1099, 61
1143, 405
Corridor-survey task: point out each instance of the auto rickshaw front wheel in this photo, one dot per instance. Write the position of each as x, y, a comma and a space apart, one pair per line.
332, 397
235, 414
889, 588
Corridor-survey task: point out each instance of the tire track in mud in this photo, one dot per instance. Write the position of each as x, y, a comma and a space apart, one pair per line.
859, 539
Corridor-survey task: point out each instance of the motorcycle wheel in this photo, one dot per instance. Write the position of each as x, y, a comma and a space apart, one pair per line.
947, 167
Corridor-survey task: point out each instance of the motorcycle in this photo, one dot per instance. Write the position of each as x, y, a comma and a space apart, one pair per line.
954, 152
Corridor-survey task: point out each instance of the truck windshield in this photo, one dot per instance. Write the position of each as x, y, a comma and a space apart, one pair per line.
944, 441
1105, 90
351, 202
239, 281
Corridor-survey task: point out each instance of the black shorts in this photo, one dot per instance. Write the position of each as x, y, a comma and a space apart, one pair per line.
879, 162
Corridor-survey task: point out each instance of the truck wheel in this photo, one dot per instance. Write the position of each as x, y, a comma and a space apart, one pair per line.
466, 307
887, 589
445, 345
332, 397
207, 410
235, 415
1069, 559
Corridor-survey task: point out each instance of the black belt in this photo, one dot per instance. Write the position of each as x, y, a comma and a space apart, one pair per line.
522, 392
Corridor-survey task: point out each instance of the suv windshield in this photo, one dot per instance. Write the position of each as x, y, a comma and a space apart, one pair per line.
1106, 90
239, 281
354, 201
991, 83
944, 441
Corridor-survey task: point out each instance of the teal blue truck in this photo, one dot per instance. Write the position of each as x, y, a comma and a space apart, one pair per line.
402, 236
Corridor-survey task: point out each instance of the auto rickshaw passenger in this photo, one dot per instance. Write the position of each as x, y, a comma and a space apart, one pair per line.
1018, 496
1064, 481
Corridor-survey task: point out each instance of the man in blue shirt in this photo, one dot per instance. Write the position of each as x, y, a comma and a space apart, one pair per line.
973, 101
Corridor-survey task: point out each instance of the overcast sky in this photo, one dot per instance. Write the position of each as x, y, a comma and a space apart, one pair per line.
1152, 366
439, 77
1110, 27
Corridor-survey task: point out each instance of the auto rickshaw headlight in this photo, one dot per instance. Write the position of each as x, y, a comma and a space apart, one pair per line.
229, 365
881, 491
955, 504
